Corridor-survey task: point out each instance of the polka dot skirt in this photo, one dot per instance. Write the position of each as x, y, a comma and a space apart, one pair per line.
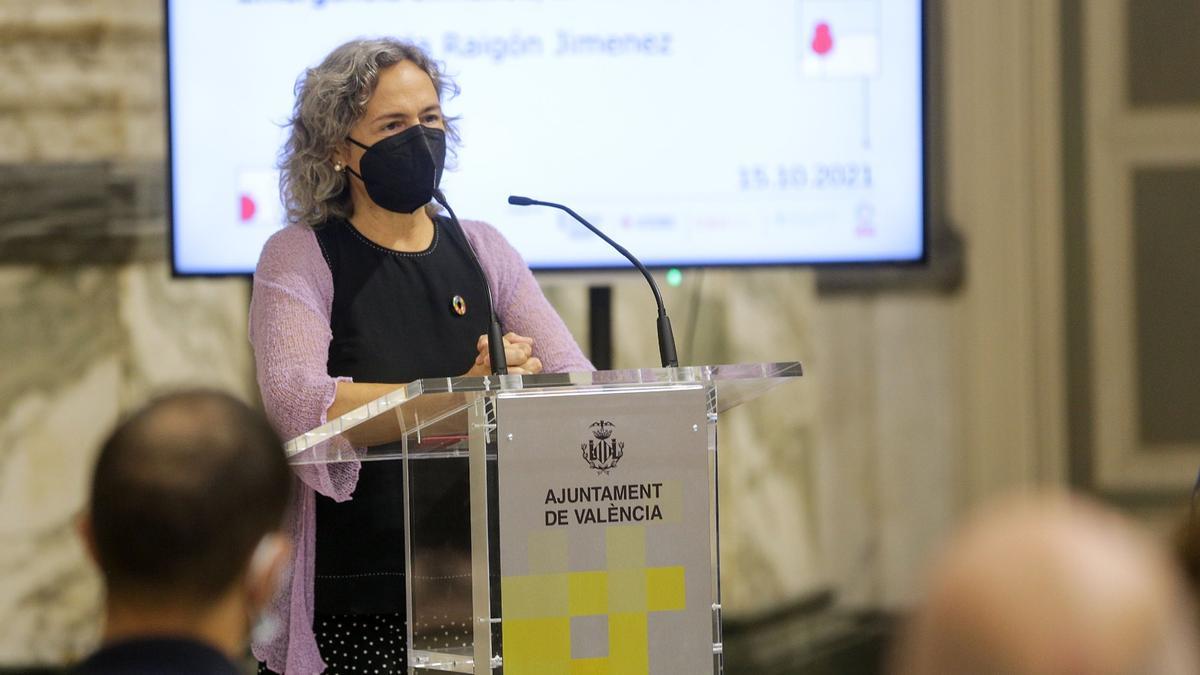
354, 643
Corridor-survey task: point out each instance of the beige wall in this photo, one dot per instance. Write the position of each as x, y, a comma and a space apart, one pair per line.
1140, 172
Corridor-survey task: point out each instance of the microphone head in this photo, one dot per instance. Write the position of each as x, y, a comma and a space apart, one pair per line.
520, 201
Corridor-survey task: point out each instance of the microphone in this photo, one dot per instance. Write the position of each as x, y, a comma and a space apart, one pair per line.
666, 339
495, 333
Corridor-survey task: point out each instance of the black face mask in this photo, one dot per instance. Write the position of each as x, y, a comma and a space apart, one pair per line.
401, 172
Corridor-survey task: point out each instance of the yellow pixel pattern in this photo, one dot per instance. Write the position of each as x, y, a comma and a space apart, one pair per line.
538, 608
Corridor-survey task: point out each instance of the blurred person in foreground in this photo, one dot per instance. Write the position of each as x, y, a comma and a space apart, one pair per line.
183, 520
1052, 585
1186, 547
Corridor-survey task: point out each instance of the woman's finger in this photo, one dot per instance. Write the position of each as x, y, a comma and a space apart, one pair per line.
518, 353
531, 367
481, 345
512, 338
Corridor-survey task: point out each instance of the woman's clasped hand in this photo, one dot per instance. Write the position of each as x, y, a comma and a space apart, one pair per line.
518, 350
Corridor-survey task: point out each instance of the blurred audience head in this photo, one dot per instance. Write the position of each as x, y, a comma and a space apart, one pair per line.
184, 517
1187, 548
1052, 585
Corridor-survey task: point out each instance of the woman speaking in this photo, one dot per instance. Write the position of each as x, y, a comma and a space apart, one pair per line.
368, 287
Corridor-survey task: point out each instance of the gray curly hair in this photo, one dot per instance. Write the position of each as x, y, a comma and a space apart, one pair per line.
330, 99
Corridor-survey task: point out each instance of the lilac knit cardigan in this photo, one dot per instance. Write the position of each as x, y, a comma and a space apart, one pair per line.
290, 333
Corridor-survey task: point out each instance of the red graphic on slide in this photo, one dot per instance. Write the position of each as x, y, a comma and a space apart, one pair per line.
248, 208
822, 42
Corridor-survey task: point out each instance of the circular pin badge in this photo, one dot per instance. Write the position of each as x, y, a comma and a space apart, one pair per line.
459, 305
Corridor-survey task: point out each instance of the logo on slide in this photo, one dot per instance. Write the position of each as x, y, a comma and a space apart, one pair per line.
256, 198
248, 208
602, 451
839, 38
822, 42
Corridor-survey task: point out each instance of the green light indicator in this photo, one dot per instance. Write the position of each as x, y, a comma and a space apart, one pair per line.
674, 277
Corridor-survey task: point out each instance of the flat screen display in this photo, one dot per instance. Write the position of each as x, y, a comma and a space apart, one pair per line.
694, 132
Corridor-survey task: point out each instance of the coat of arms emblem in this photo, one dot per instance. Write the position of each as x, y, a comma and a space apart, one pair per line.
602, 451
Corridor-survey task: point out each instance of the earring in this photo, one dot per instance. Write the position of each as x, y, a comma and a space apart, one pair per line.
337, 166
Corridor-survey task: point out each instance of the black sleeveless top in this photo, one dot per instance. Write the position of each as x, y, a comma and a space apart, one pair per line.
394, 320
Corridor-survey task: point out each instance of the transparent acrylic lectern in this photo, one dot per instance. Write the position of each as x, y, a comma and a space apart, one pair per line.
555, 523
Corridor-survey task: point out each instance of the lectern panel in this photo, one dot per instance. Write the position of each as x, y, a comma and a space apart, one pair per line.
554, 523
605, 515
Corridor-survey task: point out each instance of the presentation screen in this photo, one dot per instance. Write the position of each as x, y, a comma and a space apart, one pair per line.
694, 132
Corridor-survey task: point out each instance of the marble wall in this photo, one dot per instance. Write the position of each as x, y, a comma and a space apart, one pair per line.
81, 80
91, 323
85, 345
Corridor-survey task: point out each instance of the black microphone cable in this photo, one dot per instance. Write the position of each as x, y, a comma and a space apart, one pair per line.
495, 332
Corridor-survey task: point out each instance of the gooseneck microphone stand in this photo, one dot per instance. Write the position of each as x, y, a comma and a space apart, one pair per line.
666, 338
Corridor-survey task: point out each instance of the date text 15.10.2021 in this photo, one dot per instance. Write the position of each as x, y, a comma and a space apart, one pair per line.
817, 176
